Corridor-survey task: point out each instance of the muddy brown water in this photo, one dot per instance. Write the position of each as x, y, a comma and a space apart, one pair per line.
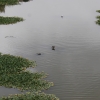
74, 66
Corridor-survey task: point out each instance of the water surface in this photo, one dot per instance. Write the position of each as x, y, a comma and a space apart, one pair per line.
74, 66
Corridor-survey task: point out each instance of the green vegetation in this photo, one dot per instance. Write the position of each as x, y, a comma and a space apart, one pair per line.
98, 17
9, 2
13, 74
2, 8
98, 11
31, 96
9, 20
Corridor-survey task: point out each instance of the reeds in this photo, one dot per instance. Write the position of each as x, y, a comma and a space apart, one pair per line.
10, 20
31, 96
9, 2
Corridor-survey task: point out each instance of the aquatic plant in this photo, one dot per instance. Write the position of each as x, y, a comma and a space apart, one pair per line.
10, 20
14, 64
31, 96
98, 17
98, 22
13, 74
24, 82
98, 11
2, 8
9, 2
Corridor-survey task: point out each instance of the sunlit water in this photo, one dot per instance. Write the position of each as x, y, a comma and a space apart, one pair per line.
74, 66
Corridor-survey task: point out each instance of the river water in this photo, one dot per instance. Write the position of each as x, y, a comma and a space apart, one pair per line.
74, 66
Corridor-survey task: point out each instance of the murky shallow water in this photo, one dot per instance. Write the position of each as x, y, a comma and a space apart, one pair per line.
74, 66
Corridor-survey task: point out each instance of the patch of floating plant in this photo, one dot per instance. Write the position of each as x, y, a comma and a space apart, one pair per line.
10, 20
13, 74
98, 22
25, 81
2, 8
98, 11
14, 64
9, 2
98, 17
31, 96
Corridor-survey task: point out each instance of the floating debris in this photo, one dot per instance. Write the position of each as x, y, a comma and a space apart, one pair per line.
62, 16
38, 53
53, 47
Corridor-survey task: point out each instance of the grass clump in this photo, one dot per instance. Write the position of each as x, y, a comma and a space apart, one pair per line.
9, 2
31, 96
9, 20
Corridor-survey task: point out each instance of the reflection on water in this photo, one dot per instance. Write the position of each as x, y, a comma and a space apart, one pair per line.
74, 65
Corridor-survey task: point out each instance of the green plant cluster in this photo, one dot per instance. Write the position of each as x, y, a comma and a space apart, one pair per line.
31, 96
2, 8
98, 11
10, 20
25, 81
9, 2
98, 18
13, 74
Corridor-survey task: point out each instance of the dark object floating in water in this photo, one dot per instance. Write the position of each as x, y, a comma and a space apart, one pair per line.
53, 47
9, 36
38, 53
62, 16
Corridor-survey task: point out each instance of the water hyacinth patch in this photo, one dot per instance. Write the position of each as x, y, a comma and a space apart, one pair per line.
9, 20
13, 74
31, 96
9, 2
25, 81
98, 22
14, 64
98, 11
2, 8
